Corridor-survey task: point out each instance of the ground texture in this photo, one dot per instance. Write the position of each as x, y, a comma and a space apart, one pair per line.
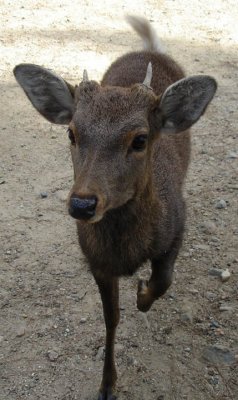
51, 324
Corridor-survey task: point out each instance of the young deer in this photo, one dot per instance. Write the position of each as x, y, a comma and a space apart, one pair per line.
130, 148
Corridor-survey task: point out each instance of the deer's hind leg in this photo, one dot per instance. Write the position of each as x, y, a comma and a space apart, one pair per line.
161, 277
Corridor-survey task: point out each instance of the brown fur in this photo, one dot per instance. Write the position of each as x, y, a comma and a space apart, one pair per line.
149, 223
139, 212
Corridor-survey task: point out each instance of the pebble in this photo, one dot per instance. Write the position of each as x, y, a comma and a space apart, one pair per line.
215, 272
193, 291
204, 247
232, 154
186, 312
119, 348
83, 320
216, 354
52, 355
100, 354
20, 331
62, 195
225, 307
225, 276
43, 195
208, 227
132, 361
221, 204
214, 324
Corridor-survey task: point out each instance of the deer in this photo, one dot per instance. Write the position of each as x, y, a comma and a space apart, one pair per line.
130, 144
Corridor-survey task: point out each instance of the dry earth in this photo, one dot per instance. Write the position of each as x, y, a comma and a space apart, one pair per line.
51, 327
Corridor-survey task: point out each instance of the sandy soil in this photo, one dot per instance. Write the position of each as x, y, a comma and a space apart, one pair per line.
51, 324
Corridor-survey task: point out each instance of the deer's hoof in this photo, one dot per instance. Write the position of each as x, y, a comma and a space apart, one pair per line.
107, 394
144, 298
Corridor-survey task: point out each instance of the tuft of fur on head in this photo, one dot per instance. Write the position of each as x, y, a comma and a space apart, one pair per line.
144, 29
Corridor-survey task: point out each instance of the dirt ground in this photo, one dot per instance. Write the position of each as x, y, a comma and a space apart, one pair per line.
51, 324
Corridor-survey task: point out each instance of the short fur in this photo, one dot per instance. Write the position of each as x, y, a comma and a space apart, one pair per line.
132, 198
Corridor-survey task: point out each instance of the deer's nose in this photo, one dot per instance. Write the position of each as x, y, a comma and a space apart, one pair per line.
82, 207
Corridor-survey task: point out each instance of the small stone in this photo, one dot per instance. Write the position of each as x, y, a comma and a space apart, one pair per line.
226, 307
20, 331
216, 354
83, 320
53, 136
43, 195
52, 355
132, 361
203, 247
219, 332
187, 316
193, 291
187, 349
119, 348
215, 272
100, 354
208, 227
214, 324
225, 276
62, 195
232, 155
221, 204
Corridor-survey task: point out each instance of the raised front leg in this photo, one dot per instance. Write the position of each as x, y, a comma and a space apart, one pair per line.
109, 290
161, 278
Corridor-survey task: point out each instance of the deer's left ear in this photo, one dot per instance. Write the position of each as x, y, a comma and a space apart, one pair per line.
49, 93
183, 103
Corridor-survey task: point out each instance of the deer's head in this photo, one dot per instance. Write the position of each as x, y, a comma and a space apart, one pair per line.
112, 130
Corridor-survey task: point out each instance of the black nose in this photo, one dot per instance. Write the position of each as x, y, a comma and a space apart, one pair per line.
82, 207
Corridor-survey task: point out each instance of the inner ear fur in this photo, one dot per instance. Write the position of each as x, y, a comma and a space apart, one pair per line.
183, 103
49, 93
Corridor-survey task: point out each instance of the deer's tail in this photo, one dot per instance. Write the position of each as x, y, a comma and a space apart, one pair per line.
144, 29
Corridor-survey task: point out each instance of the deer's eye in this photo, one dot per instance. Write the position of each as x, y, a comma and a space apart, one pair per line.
71, 136
139, 143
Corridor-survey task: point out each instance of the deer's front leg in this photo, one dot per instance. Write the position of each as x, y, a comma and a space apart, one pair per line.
109, 290
161, 277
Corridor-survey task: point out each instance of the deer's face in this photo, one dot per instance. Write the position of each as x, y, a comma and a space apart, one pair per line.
110, 146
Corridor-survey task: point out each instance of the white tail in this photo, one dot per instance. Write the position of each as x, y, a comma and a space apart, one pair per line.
143, 28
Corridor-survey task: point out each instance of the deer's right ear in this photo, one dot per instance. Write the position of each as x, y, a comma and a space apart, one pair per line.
48, 93
183, 103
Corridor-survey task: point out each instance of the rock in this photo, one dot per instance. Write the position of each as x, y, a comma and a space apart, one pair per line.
208, 227
193, 291
221, 204
215, 272
132, 361
186, 313
232, 155
119, 348
204, 247
83, 320
52, 355
62, 195
225, 276
226, 307
214, 324
43, 195
215, 354
100, 354
20, 331
210, 296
